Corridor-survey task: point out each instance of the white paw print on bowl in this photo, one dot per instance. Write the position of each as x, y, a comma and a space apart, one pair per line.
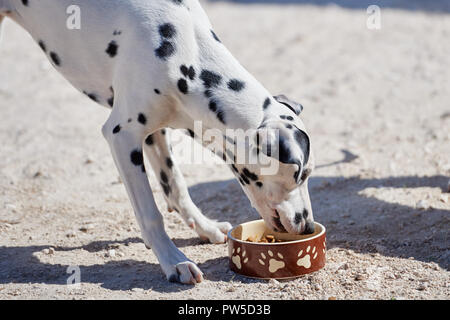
305, 261
237, 260
274, 264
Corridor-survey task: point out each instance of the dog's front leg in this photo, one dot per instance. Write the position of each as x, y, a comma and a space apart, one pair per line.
126, 140
157, 149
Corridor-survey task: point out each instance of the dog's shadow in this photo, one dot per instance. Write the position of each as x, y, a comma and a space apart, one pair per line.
21, 265
361, 222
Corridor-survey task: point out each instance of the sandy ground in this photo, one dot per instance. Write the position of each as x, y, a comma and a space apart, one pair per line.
376, 105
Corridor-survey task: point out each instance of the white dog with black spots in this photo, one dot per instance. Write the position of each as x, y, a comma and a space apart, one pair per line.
159, 64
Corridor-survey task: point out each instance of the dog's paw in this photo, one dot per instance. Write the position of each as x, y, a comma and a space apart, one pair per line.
214, 231
185, 272
176, 266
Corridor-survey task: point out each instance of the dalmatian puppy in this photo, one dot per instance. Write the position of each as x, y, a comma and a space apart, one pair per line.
158, 64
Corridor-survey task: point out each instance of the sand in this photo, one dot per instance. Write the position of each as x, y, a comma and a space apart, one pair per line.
377, 108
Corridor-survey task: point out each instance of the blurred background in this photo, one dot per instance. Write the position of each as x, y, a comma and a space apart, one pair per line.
375, 87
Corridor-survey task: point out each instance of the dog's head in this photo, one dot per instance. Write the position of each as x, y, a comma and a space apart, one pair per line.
281, 197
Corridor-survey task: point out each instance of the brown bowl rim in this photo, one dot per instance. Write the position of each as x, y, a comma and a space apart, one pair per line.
323, 230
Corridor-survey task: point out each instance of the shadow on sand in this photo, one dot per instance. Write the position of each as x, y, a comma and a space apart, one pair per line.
363, 224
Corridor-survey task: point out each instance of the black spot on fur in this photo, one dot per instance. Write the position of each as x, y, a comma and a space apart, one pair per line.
183, 86
178, 2
111, 101
157, 91
149, 140
169, 163
163, 131
215, 36
142, 119
208, 93
249, 174
163, 176
289, 126
42, 45
259, 184
266, 103
244, 178
184, 70
305, 213
221, 116
165, 50
284, 152
258, 140
298, 218
91, 96
117, 32
284, 117
236, 85
112, 49
213, 106
166, 188
137, 158
188, 72
191, 73
25, 2
234, 168
117, 129
223, 156
191, 133
55, 58
210, 79
167, 30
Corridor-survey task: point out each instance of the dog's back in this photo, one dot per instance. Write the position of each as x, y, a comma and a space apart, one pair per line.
97, 40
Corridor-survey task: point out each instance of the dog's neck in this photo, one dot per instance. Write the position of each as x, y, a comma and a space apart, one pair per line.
217, 83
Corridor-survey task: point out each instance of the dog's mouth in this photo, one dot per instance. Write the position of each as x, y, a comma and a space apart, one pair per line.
277, 222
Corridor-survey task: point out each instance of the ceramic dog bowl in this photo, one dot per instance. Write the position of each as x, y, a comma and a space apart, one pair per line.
296, 256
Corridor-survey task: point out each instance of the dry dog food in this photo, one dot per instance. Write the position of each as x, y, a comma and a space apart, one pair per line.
268, 238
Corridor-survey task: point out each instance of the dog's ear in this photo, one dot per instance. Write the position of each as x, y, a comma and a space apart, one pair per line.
294, 106
303, 141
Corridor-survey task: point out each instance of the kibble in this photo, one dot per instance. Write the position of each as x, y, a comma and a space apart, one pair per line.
268, 238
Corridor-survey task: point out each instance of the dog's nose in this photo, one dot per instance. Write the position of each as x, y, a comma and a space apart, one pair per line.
309, 227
